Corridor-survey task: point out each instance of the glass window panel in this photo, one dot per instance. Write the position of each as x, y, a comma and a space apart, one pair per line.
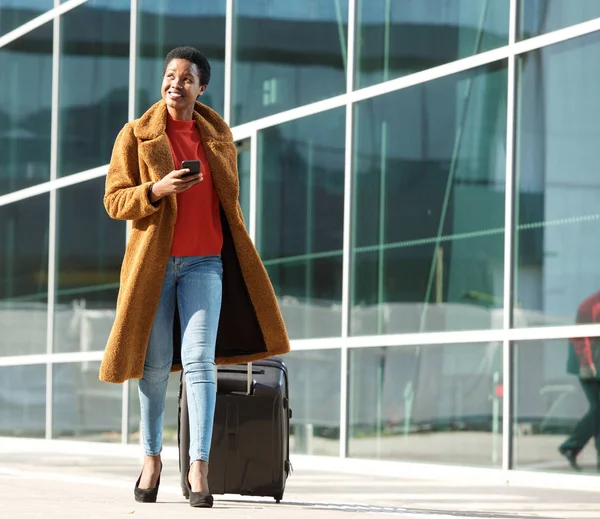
301, 220
24, 276
25, 110
90, 248
94, 83
396, 38
542, 16
161, 26
83, 408
14, 13
244, 166
435, 403
23, 401
171, 411
557, 184
287, 54
428, 229
314, 378
556, 405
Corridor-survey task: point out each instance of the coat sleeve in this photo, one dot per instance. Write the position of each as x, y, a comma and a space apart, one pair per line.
125, 196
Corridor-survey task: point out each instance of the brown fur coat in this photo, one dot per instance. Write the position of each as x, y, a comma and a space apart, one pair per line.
251, 326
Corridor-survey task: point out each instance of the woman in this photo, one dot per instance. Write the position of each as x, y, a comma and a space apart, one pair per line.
193, 289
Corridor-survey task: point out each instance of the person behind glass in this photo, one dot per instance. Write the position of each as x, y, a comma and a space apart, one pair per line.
584, 361
176, 259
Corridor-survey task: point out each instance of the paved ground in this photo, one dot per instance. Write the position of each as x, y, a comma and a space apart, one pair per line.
63, 485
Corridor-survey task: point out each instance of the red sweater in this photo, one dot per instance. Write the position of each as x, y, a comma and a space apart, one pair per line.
198, 227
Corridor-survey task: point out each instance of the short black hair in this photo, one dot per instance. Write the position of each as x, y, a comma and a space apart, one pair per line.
193, 56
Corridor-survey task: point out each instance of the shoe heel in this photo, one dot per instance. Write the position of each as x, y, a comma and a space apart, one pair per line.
146, 495
198, 499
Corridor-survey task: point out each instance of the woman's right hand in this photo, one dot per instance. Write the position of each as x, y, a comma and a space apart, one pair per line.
173, 183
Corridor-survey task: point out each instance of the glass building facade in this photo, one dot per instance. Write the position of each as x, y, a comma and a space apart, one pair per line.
419, 177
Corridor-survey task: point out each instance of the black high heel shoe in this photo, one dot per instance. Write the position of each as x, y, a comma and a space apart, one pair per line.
146, 495
198, 499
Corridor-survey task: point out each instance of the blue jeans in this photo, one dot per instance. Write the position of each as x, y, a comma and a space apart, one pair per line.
195, 282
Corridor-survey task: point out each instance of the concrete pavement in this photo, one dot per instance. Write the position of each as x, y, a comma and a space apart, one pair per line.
69, 483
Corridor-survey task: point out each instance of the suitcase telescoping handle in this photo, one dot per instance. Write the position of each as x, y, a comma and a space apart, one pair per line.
249, 372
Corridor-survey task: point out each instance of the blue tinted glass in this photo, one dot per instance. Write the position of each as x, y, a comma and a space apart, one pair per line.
300, 220
25, 110
162, 26
287, 54
428, 217
399, 37
541, 16
24, 275
558, 183
14, 13
94, 83
89, 252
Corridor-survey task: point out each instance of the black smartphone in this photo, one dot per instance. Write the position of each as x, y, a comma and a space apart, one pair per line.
192, 165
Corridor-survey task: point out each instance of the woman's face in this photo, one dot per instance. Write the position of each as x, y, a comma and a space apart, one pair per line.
181, 85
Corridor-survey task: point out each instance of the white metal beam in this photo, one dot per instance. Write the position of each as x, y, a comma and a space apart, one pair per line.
40, 20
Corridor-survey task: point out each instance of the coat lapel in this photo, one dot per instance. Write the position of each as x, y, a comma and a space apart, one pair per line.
217, 140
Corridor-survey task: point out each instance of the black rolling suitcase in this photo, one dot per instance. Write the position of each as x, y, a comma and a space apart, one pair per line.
250, 443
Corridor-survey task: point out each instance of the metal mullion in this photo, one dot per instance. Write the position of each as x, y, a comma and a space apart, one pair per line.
228, 86
51, 303
133, 56
347, 229
509, 241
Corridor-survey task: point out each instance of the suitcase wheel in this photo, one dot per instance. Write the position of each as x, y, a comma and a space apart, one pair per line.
278, 498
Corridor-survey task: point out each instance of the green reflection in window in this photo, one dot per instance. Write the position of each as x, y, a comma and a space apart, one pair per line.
162, 26
90, 249
542, 16
300, 219
24, 234
25, 109
287, 54
396, 38
428, 206
557, 182
94, 83
14, 13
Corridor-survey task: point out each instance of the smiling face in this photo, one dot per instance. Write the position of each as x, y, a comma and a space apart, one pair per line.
181, 87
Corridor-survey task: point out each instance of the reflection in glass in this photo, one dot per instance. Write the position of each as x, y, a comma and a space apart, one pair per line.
557, 182
428, 209
542, 16
14, 13
25, 109
90, 249
398, 38
434, 403
287, 54
24, 276
300, 220
557, 404
171, 411
23, 401
94, 83
314, 378
162, 26
244, 166
83, 408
